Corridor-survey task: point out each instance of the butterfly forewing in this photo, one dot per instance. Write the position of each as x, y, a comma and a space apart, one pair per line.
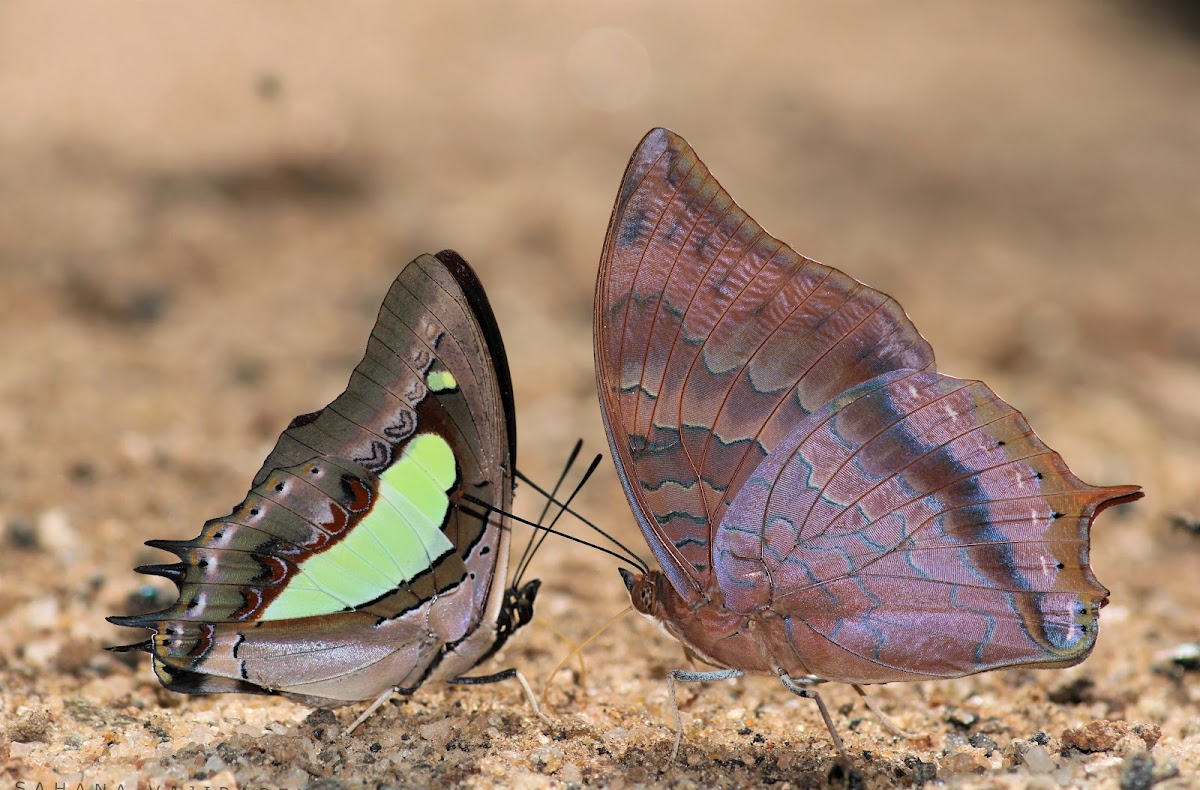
712, 339
347, 569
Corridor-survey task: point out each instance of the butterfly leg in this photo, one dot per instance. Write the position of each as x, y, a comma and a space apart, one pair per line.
686, 676
374, 706
507, 674
800, 689
885, 719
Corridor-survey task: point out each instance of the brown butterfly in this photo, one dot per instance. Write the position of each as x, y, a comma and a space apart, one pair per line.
823, 504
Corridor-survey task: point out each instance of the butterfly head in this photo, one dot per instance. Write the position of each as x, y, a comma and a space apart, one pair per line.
515, 611
518, 603
655, 599
645, 590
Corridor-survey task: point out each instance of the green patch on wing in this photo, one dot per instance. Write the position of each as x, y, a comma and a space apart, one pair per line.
397, 540
440, 380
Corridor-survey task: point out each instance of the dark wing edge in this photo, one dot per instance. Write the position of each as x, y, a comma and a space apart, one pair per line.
668, 194
652, 146
481, 308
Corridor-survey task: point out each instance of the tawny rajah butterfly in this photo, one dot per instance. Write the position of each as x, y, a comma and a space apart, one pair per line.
823, 504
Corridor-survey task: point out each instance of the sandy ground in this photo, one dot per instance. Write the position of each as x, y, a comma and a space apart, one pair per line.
200, 211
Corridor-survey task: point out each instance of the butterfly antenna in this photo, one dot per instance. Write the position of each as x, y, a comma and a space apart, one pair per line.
524, 566
530, 549
574, 456
629, 556
487, 508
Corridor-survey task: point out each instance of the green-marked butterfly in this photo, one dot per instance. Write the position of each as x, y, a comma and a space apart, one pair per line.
371, 551
824, 505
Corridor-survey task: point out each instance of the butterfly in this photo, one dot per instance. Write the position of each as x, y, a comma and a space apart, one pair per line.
824, 506
370, 553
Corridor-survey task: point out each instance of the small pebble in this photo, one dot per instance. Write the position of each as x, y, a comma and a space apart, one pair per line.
1185, 522
954, 741
437, 732
920, 771
56, 534
981, 741
546, 760
1137, 772
963, 719
225, 780
965, 761
40, 613
1103, 736
31, 726
82, 471
322, 724
22, 535
1179, 660
570, 774
1038, 760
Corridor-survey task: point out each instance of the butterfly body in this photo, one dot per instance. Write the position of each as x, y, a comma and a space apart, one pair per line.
824, 505
352, 566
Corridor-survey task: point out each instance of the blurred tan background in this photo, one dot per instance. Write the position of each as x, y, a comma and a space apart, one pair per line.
201, 206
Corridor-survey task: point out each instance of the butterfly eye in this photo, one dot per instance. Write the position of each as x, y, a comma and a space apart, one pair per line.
643, 595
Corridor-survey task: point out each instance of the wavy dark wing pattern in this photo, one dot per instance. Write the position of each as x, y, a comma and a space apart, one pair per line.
713, 339
427, 315
915, 527
346, 570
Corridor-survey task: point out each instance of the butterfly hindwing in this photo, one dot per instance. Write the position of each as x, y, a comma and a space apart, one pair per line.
915, 527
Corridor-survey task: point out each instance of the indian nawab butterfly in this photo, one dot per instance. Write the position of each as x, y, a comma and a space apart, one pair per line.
824, 506
371, 552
